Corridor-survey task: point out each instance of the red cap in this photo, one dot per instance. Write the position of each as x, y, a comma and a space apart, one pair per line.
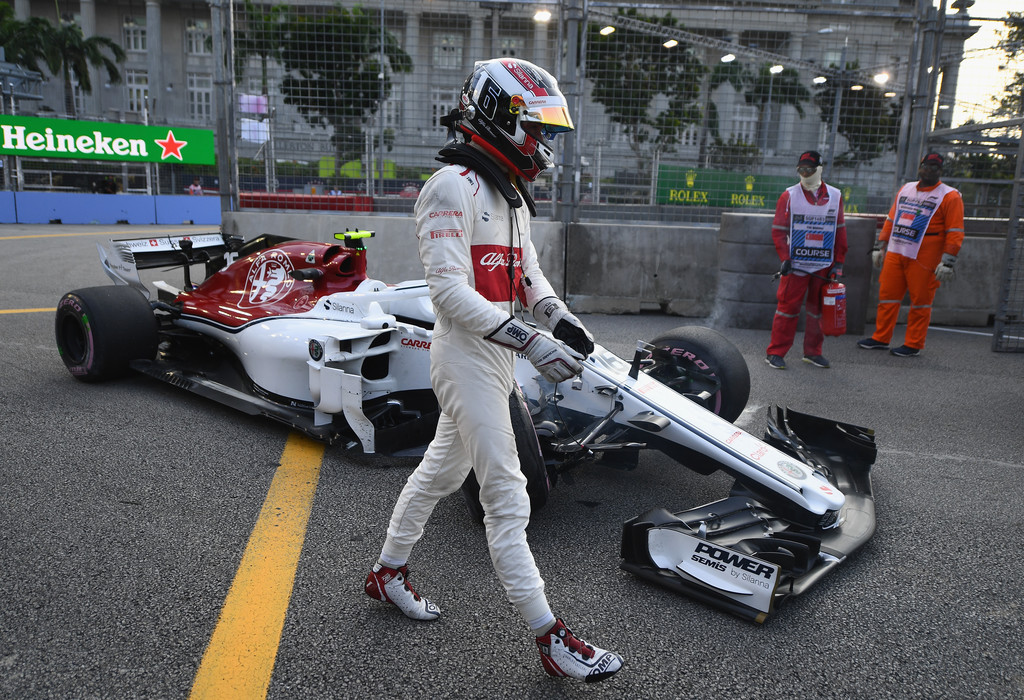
932, 159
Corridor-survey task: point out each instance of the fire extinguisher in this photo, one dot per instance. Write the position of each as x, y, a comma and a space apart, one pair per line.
833, 308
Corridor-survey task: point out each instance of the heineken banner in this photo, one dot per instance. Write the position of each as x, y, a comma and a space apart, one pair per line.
66, 138
728, 189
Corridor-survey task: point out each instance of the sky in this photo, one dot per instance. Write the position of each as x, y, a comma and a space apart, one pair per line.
980, 77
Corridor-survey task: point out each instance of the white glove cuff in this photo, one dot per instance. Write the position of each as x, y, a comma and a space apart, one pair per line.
512, 334
549, 311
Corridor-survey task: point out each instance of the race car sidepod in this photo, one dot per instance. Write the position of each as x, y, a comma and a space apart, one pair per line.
748, 552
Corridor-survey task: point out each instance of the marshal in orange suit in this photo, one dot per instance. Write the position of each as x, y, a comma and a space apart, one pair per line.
919, 244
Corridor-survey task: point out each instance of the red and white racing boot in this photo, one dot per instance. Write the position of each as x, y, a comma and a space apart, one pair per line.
565, 654
392, 586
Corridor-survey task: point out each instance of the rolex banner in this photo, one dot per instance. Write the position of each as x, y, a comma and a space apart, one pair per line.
734, 190
66, 138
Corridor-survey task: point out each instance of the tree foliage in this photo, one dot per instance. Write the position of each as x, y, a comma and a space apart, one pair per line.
69, 53
62, 49
337, 72
762, 89
628, 69
1011, 104
262, 37
868, 120
23, 42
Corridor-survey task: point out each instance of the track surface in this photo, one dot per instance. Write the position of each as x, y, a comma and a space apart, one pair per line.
126, 510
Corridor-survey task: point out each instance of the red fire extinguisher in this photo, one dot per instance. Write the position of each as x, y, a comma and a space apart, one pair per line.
833, 308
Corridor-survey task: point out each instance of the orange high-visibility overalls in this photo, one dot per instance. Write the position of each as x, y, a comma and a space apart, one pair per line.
902, 273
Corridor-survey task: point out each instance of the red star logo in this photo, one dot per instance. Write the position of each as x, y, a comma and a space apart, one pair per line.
171, 146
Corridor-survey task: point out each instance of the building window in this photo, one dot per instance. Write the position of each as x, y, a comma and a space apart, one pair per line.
200, 97
135, 34
77, 95
389, 112
137, 86
744, 123
447, 51
691, 136
198, 40
511, 46
442, 101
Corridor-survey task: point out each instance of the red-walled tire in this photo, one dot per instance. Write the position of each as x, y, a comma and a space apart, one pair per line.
695, 359
99, 330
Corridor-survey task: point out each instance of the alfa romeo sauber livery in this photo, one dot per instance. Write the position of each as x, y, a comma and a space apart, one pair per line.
296, 331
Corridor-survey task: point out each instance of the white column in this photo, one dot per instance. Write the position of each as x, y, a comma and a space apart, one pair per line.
155, 58
417, 112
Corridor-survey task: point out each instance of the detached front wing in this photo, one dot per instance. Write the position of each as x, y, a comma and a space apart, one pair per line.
742, 554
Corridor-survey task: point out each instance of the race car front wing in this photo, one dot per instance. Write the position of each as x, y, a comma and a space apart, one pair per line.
747, 553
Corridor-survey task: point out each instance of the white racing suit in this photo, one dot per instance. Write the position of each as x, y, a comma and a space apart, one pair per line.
478, 256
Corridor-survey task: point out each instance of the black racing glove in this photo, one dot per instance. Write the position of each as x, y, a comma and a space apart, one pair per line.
552, 313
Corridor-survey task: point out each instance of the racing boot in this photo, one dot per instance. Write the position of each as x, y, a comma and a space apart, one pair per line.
565, 654
392, 586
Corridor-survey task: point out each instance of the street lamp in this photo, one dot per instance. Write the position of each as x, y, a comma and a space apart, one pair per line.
773, 71
836, 106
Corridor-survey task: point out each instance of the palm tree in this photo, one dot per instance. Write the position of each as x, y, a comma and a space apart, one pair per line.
23, 42
265, 32
763, 88
69, 54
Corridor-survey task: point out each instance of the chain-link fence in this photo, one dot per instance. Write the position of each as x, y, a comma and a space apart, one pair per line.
683, 111
681, 114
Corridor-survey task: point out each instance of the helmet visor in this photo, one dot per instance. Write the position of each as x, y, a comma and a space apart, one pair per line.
554, 118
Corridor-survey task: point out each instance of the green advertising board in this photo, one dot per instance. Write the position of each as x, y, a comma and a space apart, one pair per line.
727, 189
67, 138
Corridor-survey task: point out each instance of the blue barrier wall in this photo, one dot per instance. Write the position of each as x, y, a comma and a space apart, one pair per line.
84, 208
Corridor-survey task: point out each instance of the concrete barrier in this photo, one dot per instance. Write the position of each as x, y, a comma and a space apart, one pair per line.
746, 294
972, 298
631, 268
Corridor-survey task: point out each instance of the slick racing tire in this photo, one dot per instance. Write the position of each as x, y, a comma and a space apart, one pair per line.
693, 360
99, 330
531, 461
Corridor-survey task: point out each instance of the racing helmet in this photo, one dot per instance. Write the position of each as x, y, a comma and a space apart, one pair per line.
498, 98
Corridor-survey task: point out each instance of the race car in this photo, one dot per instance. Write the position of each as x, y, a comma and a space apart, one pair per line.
296, 331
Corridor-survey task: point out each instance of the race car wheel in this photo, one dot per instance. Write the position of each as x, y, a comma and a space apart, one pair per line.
703, 365
99, 330
531, 461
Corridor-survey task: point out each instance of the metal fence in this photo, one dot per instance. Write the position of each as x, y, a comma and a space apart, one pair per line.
683, 110
682, 113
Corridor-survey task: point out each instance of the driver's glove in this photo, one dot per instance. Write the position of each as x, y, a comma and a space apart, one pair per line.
944, 271
555, 361
552, 313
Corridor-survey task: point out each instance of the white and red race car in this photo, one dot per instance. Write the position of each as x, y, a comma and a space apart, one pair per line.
296, 331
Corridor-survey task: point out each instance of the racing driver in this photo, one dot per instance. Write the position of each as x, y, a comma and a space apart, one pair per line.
473, 225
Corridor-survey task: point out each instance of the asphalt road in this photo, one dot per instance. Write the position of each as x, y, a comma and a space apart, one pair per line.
125, 509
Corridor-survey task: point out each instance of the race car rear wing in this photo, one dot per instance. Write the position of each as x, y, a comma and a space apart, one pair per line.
122, 259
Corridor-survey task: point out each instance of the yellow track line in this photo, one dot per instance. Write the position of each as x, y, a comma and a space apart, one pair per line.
24, 311
240, 657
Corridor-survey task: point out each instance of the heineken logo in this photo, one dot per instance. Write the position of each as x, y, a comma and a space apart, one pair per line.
65, 138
